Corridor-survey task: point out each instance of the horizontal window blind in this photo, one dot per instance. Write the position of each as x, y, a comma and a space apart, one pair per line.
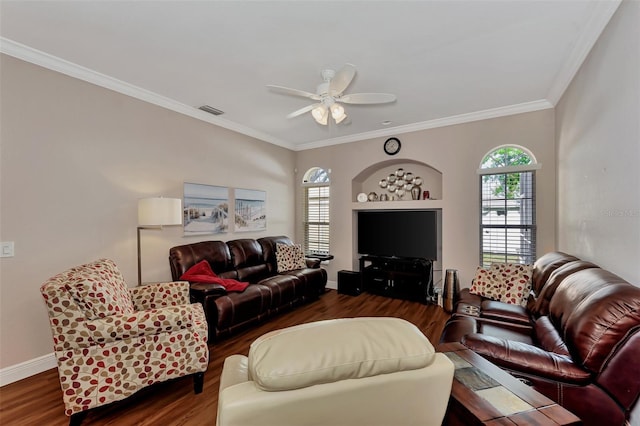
316, 219
507, 218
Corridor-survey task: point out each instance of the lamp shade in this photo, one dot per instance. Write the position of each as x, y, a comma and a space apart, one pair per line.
159, 211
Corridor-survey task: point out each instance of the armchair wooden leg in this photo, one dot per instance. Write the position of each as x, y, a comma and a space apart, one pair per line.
198, 382
77, 418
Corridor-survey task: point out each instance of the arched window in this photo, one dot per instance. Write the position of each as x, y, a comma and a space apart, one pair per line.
508, 206
316, 211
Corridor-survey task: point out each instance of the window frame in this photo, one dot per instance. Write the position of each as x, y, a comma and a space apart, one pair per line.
318, 242
528, 223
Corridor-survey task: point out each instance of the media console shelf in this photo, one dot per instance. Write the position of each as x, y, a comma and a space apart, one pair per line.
397, 277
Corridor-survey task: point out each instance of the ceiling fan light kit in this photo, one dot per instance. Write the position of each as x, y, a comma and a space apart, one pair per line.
337, 112
320, 114
330, 94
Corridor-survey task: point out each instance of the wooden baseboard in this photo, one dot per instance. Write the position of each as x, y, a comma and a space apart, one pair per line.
27, 369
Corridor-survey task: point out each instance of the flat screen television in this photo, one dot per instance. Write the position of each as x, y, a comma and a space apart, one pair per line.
398, 233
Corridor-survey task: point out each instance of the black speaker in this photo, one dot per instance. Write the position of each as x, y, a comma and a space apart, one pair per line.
349, 283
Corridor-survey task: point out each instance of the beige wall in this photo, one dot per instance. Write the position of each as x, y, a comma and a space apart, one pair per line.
456, 151
598, 138
75, 159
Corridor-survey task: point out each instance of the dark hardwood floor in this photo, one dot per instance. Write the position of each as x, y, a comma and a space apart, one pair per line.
37, 399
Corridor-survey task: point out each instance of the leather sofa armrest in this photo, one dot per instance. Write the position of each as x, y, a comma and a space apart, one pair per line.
525, 358
200, 290
234, 371
313, 262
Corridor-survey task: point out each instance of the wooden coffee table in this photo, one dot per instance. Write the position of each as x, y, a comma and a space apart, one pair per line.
483, 394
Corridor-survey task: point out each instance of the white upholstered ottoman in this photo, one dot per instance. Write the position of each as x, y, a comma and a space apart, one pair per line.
351, 371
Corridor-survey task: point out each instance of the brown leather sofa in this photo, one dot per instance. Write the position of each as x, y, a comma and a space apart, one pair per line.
577, 341
252, 261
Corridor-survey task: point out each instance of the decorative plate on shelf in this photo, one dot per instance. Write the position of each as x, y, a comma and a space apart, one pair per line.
362, 197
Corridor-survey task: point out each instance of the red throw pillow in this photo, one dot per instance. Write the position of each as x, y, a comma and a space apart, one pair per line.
201, 272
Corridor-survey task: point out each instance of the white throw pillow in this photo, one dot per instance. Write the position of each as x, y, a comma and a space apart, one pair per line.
504, 282
289, 257
516, 282
487, 284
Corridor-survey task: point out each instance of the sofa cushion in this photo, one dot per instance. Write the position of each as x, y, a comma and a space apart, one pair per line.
526, 358
101, 292
332, 350
594, 311
245, 252
289, 257
236, 310
286, 291
548, 337
545, 265
506, 312
247, 259
541, 305
183, 257
311, 280
512, 332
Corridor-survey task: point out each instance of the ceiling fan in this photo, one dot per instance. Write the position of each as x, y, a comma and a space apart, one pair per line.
330, 94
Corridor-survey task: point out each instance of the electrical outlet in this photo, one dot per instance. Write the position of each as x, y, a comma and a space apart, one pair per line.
7, 249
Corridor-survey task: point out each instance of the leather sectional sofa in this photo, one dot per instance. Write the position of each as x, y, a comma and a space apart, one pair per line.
577, 341
252, 261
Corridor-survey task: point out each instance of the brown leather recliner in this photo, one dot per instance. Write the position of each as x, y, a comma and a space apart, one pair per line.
252, 261
577, 342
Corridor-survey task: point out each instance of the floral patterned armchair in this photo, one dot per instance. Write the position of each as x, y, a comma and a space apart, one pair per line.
111, 341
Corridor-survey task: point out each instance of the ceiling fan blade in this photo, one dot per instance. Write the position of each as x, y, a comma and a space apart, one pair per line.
302, 110
342, 79
367, 98
293, 92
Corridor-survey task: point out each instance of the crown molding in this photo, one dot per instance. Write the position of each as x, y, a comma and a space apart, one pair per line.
602, 13
37, 57
432, 124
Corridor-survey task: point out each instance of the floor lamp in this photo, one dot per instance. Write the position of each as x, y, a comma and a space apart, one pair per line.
154, 213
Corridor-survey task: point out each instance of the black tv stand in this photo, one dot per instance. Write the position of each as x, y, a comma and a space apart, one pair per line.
398, 277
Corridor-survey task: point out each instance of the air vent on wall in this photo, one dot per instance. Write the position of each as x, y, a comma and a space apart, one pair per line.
211, 110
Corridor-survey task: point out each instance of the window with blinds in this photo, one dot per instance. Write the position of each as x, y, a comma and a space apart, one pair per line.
508, 207
316, 219
316, 211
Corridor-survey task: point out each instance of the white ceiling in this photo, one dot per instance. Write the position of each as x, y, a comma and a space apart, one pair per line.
447, 61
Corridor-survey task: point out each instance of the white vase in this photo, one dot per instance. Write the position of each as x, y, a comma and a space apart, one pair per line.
415, 193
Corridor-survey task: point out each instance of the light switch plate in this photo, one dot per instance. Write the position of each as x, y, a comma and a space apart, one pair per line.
7, 249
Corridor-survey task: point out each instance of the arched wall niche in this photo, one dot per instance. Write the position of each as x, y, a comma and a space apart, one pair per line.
368, 179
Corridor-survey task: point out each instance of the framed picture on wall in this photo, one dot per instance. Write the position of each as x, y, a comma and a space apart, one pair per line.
206, 209
250, 210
